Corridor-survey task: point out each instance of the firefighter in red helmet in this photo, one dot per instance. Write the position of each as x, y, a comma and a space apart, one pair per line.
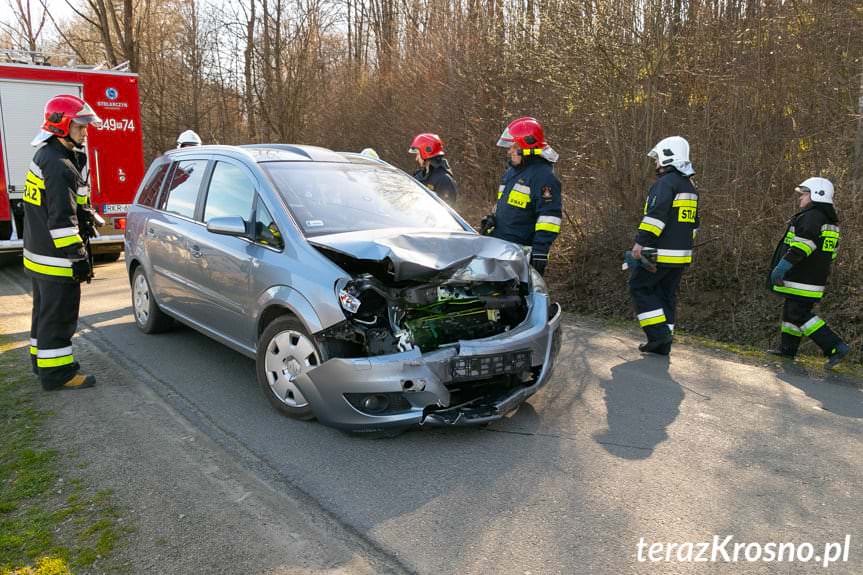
54, 240
434, 171
528, 209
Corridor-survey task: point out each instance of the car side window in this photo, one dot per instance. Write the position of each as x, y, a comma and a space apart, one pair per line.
150, 191
231, 193
182, 193
266, 231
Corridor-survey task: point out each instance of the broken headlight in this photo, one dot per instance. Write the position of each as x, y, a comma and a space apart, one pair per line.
349, 301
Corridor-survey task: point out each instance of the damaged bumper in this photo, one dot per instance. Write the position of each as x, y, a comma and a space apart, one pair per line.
413, 388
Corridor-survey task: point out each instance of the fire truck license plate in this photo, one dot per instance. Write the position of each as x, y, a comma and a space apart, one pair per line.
116, 208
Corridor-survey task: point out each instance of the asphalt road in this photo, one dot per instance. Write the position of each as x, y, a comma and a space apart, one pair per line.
618, 447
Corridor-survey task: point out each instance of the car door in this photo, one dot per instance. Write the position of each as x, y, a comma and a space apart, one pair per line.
167, 232
222, 263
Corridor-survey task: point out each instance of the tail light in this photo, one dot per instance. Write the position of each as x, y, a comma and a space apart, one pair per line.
119, 223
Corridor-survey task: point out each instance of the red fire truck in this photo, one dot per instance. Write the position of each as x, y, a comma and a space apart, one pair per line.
114, 150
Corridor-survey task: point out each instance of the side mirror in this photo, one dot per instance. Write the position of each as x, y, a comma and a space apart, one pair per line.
230, 226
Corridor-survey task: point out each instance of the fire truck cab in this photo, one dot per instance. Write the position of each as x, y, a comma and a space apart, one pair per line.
114, 150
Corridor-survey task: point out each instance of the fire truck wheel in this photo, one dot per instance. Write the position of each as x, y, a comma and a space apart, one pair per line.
107, 258
10, 259
148, 316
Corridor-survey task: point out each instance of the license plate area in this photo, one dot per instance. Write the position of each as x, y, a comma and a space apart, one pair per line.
111, 209
482, 366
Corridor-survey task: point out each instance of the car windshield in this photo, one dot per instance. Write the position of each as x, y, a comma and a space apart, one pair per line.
329, 198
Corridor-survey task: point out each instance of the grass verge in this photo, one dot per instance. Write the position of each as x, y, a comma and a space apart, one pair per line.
745, 353
812, 363
51, 522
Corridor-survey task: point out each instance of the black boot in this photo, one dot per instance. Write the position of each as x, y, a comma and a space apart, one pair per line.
657, 346
77, 381
840, 352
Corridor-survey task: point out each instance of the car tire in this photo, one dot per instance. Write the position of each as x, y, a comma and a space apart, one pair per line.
285, 351
148, 317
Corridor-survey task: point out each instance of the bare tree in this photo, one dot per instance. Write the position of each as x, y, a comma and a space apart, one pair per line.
29, 23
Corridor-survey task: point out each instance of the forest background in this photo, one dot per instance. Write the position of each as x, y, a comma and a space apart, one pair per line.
768, 93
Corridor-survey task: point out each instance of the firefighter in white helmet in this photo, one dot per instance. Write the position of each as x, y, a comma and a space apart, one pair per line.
664, 237
801, 265
187, 139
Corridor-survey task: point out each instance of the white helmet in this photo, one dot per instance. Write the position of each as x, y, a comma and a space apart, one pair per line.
819, 189
188, 138
370, 153
673, 151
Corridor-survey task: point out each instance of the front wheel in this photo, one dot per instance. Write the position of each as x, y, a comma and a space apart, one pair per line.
286, 351
148, 317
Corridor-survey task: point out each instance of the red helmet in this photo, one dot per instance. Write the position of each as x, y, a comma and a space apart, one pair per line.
526, 132
62, 110
428, 145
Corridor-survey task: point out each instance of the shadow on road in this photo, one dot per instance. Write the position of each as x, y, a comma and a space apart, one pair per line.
642, 400
834, 394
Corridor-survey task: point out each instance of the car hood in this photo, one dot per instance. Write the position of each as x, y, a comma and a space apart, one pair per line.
421, 255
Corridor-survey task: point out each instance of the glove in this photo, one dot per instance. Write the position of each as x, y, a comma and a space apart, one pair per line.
539, 262
486, 226
81, 270
777, 276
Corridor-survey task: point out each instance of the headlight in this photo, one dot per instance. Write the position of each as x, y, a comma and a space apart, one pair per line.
347, 295
537, 284
349, 301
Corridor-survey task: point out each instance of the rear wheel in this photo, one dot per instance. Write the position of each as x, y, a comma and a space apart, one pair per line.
107, 258
148, 317
286, 351
10, 259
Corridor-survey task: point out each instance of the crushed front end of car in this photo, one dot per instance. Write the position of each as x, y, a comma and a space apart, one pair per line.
459, 339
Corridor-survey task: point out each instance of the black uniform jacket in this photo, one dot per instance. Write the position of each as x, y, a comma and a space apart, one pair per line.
438, 178
52, 239
671, 219
810, 243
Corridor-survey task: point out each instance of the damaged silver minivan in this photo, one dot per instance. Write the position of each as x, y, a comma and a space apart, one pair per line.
365, 301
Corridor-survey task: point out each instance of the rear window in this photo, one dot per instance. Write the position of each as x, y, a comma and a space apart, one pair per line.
328, 198
150, 191
181, 195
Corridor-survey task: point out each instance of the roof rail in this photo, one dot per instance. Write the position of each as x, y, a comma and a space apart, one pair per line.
23, 57
36, 58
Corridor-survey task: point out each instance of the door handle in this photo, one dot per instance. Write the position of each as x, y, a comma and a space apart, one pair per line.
151, 232
196, 251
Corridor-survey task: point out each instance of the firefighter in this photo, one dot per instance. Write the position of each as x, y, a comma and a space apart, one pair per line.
665, 236
187, 139
434, 171
528, 208
801, 265
54, 252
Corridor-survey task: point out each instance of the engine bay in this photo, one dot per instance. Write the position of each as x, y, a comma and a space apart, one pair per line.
384, 319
